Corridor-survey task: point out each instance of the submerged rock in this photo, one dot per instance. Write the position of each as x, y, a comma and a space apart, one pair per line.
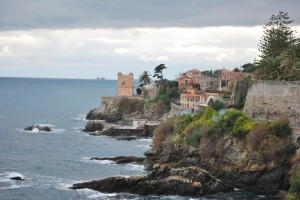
188, 181
38, 128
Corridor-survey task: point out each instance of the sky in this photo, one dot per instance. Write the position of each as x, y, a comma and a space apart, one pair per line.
99, 38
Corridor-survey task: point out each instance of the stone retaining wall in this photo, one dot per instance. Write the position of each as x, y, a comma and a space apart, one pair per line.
269, 100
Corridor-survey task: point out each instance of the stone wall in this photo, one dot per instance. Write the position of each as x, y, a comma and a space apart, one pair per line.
268, 100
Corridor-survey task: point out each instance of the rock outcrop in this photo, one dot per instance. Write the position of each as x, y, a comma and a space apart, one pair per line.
127, 133
230, 160
93, 126
184, 181
38, 128
122, 159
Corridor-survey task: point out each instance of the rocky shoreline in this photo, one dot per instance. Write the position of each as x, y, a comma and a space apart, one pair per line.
217, 165
185, 171
164, 180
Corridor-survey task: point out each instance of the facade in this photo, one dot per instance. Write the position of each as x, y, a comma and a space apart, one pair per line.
192, 98
125, 85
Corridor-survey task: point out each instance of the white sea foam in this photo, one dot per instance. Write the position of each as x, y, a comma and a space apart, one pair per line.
144, 146
58, 130
6, 183
146, 140
48, 125
14, 174
102, 162
79, 117
92, 194
136, 167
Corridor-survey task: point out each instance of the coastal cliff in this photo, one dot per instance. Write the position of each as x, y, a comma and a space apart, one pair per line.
233, 161
118, 108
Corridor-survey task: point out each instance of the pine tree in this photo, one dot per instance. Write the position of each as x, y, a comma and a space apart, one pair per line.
278, 35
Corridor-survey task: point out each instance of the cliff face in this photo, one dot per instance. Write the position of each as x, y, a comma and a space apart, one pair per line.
235, 162
108, 111
268, 100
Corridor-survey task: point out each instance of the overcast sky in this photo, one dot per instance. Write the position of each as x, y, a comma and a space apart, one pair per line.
90, 38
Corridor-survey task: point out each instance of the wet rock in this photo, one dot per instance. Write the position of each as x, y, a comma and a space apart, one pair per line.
93, 126
17, 178
122, 159
39, 128
189, 181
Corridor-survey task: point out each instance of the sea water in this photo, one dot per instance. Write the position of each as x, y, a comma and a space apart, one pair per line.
51, 162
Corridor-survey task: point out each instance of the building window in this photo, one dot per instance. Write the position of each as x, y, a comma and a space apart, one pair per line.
123, 83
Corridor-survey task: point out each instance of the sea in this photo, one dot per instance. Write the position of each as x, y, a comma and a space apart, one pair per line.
51, 162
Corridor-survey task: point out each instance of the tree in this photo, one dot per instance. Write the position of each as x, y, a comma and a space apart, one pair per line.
236, 69
278, 35
290, 63
268, 69
158, 71
248, 68
145, 78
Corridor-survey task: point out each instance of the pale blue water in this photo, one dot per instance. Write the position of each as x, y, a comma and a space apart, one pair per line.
50, 163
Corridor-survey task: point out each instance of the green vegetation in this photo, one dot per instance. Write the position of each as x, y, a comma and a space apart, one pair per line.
168, 90
280, 51
211, 124
158, 71
127, 106
278, 36
145, 78
294, 191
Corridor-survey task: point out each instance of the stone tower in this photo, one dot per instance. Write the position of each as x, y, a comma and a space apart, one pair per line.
125, 85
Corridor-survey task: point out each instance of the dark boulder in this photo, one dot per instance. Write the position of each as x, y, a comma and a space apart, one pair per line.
39, 128
17, 178
97, 114
93, 126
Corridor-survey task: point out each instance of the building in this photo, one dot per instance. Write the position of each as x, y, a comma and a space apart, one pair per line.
192, 98
229, 77
125, 85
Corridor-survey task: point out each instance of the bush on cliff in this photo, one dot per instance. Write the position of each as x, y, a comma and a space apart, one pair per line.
127, 106
294, 191
281, 127
162, 132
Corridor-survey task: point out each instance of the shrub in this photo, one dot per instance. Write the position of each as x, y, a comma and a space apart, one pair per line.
194, 140
127, 106
162, 132
257, 134
177, 139
294, 191
242, 126
218, 105
205, 119
281, 127
181, 122
235, 122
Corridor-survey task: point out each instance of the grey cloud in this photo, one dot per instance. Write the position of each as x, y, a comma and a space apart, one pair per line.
56, 14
